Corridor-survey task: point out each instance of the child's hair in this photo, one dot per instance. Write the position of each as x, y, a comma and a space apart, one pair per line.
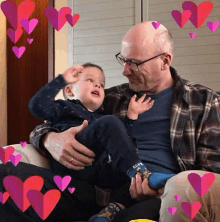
86, 65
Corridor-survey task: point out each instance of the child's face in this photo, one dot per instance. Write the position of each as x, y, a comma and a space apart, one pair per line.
90, 88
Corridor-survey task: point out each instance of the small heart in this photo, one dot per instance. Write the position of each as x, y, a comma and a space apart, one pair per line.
201, 184
3, 197
5, 153
192, 35
191, 209
18, 51
29, 26
177, 197
14, 35
156, 24
30, 41
23, 144
15, 159
62, 183
213, 25
172, 210
181, 18
72, 19
71, 189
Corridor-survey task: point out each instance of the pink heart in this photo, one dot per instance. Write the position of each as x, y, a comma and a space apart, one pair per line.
30, 40
23, 144
18, 51
57, 19
5, 153
71, 189
181, 18
156, 24
14, 35
201, 184
191, 209
15, 13
15, 159
62, 183
72, 19
213, 25
172, 210
18, 189
177, 197
29, 26
43, 204
3, 197
192, 35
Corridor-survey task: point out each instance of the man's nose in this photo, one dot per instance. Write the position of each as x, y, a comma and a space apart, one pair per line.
126, 69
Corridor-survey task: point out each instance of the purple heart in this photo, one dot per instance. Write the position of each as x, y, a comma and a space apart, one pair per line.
156, 24
29, 26
18, 51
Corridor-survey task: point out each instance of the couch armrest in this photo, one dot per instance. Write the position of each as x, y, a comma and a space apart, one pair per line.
30, 155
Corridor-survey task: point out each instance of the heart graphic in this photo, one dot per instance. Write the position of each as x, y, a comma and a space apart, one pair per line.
201, 184
3, 197
57, 19
213, 25
192, 35
199, 13
18, 189
191, 209
30, 40
181, 18
15, 13
172, 210
156, 24
71, 189
62, 183
29, 26
177, 197
5, 153
23, 144
14, 35
18, 51
72, 19
43, 204
15, 159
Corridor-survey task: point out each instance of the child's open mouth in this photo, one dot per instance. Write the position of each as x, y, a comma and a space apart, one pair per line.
95, 93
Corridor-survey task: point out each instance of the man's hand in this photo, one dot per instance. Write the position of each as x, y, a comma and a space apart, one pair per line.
71, 75
67, 150
139, 190
138, 107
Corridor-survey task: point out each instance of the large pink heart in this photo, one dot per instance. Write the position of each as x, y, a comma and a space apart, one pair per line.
5, 153
57, 19
199, 13
191, 209
181, 18
29, 26
15, 13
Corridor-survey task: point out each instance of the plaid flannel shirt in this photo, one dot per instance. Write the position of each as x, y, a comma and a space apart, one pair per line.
194, 123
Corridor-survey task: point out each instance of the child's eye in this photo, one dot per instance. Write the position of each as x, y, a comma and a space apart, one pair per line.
90, 80
102, 85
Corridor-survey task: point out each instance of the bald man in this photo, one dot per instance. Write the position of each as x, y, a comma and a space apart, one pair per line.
180, 134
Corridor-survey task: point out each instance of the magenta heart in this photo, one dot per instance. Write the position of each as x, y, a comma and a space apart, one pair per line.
15, 159
15, 13
201, 184
156, 24
172, 210
5, 153
18, 51
62, 183
57, 19
29, 26
177, 197
192, 35
30, 40
3, 197
191, 209
23, 144
181, 18
72, 19
14, 35
71, 189
213, 25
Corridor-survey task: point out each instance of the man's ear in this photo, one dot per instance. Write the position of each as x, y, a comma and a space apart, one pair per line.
166, 62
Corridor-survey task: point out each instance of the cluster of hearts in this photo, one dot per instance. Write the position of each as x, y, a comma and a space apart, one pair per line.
18, 17
28, 192
196, 14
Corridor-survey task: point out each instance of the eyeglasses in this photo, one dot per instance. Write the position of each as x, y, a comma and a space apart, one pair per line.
133, 65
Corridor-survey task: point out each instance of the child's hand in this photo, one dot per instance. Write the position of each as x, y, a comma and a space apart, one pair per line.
137, 107
71, 75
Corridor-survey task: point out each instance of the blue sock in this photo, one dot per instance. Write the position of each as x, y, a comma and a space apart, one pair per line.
137, 167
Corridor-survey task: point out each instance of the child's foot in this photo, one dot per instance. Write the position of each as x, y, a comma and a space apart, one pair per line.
138, 168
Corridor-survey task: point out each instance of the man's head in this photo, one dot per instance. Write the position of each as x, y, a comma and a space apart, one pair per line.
90, 87
143, 42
